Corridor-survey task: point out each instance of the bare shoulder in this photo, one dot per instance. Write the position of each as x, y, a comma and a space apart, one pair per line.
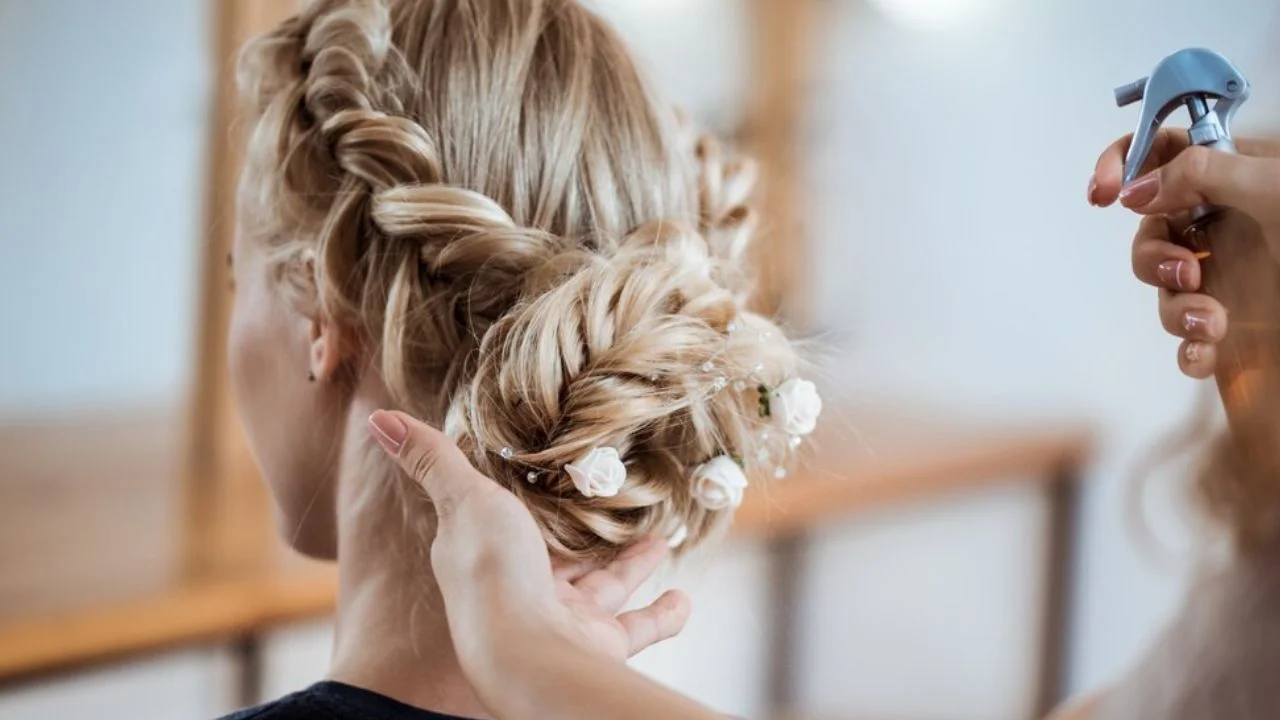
1081, 708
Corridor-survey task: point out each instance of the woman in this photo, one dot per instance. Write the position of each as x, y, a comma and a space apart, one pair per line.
1218, 657
478, 213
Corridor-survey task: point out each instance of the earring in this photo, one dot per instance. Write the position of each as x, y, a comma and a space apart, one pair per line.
311, 377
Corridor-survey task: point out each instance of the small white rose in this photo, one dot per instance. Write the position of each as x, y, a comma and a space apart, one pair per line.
795, 406
678, 537
600, 473
719, 484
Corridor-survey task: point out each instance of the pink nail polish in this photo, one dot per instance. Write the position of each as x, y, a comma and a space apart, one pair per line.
1093, 188
1173, 274
388, 430
1142, 191
1192, 352
1192, 322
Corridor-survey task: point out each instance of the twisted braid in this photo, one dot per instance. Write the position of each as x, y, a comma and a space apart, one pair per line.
494, 278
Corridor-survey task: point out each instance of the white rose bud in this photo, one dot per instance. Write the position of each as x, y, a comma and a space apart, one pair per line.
719, 484
600, 473
795, 406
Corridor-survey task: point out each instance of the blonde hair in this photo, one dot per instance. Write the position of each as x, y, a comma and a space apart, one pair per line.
533, 249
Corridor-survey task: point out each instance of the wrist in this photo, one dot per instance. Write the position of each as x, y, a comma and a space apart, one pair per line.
513, 644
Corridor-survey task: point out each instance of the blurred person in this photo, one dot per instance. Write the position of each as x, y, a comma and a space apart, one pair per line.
478, 213
1217, 658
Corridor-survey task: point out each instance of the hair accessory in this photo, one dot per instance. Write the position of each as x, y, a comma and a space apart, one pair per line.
720, 383
531, 476
719, 484
506, 453
794, 405
779, 472
708, 366
599, 473
678, 537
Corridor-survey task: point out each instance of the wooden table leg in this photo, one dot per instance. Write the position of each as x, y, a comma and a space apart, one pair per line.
1062, 496
784, 567
247, 653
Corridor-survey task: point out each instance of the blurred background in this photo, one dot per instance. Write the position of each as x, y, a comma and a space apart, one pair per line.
968, 544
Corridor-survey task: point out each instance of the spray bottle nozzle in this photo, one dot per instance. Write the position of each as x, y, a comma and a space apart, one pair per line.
1189, 77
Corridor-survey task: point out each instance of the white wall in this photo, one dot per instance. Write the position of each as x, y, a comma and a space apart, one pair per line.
192, 684
961, 264
104, 124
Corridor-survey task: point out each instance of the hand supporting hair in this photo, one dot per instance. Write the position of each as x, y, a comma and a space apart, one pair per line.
531, 648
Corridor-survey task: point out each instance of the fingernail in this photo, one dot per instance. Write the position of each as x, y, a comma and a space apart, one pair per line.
1141, 192
1093, 187
1192, 352
1195, 322
1172, 274
388, 430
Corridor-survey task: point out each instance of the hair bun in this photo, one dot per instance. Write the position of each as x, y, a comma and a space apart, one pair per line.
632, 350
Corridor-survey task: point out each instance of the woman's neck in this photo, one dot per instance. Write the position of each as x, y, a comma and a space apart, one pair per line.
392, 636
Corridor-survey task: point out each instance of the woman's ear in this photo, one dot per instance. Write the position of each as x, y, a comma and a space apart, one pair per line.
330, 349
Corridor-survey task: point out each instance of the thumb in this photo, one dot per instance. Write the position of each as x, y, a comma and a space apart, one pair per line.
1200, 176
428, 457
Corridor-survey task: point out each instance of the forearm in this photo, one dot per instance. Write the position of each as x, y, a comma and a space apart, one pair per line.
541, 676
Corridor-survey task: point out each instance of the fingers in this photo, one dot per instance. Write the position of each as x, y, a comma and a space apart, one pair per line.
610, 586
1159, 262
1108, 174
662, 619
429, 458
1193, 316
1200, 176
1197, 359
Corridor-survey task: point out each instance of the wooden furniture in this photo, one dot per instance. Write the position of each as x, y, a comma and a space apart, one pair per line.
872, 460
863, 463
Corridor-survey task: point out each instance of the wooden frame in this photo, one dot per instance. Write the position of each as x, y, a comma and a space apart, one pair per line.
228, 527
782, 39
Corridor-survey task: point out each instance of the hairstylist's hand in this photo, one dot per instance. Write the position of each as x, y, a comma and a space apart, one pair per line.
1179, 178
491, 562
512, 615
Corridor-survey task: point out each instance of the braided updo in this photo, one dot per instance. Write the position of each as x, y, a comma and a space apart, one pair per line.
536, 252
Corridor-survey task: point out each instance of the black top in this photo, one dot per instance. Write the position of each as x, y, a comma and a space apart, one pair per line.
331, 700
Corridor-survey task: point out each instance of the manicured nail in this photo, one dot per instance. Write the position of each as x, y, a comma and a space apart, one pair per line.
1141, 192
1192, 352
1173, 274
388, 430
1195, 322
1093, 187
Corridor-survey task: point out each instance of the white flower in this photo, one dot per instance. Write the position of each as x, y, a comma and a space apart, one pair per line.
600, 473
719, 484
795, 406
678, 537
